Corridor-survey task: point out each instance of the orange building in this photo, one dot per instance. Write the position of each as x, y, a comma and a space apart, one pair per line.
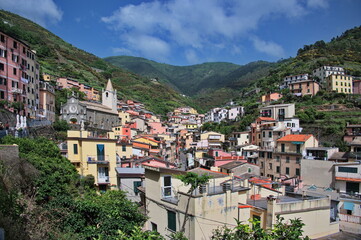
306, 87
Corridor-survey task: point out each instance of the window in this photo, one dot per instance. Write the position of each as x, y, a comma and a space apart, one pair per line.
297, 172
75, 147
172, 220
282, 147
3, 53
278, 169
269, 154
15, 44
136, 184
264, 134
261, 164
270, 165
14, 71
287, 159
124, 148
347, 169
298, 148
298, 160
278, 158
2, 81
154, 227
167, 186
1, 67
269, 134
2, 95
287, 170
100, 152
2, 38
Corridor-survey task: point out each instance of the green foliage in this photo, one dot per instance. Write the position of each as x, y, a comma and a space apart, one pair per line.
61, 125
56, 174
280, 231
194, 180
138, 234
98, 216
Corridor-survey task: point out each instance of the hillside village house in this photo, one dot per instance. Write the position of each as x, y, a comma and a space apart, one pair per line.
94, 155
47, 101
286, 158
339, 83
323, 72
19, 75
303, 88
271, 97
223, 200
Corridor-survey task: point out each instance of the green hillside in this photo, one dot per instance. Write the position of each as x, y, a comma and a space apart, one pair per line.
60, 58
210, 84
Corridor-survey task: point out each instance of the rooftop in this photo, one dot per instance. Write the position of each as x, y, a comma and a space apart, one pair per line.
295, 138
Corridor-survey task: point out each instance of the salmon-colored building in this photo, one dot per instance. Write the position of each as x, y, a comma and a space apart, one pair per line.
19, 75
271, 97
306, 87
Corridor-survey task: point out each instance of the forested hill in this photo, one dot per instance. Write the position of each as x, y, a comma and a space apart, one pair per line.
201, 80
212, 84
60, 58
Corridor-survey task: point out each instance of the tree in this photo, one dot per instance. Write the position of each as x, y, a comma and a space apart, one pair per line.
280, 231
194, 180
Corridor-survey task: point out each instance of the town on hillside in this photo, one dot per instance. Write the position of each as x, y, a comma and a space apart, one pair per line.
271, 169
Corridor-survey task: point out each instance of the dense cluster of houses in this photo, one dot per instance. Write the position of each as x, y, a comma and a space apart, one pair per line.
271, 169
329, 78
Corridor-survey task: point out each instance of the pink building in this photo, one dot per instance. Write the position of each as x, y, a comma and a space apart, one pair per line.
157, 128
271, 97
356, 86
47, 101
19, 76
64, 82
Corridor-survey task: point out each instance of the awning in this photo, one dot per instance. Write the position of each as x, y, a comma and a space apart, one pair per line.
348, 205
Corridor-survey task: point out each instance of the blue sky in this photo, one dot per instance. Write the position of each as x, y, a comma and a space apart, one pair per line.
184, 32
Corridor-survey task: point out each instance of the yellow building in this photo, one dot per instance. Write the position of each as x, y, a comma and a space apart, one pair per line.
339, 83
222, 201
124, 117
94, 156
124, 150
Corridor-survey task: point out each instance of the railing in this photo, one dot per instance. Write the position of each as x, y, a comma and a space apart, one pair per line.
98, 159
350, 218
103, 179
17, 90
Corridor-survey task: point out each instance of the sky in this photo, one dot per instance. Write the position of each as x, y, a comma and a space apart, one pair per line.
186, 32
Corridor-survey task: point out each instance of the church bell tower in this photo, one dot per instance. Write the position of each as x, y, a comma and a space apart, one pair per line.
109, 97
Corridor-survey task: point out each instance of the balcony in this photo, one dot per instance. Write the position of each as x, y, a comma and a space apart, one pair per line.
98, 159
16, 90
349, 218
103, 180
24, 80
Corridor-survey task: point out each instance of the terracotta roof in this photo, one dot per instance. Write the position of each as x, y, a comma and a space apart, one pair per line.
295, 138
348, 179
266, 119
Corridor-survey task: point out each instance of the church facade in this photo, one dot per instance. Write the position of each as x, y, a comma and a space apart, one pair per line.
103, 116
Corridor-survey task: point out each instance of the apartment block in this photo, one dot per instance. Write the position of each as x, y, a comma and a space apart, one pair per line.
94, 155
339, 83
278, 112
47, 101
323, 72
19, 75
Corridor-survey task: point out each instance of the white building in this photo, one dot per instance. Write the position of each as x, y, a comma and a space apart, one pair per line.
323, 72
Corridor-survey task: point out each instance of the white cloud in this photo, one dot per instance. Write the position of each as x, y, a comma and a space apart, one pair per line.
201, 25
39, 11
191, 56
317, 3
269, 48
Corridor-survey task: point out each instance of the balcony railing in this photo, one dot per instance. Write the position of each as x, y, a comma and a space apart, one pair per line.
17, 90
349, 218
98, 159
103, 180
